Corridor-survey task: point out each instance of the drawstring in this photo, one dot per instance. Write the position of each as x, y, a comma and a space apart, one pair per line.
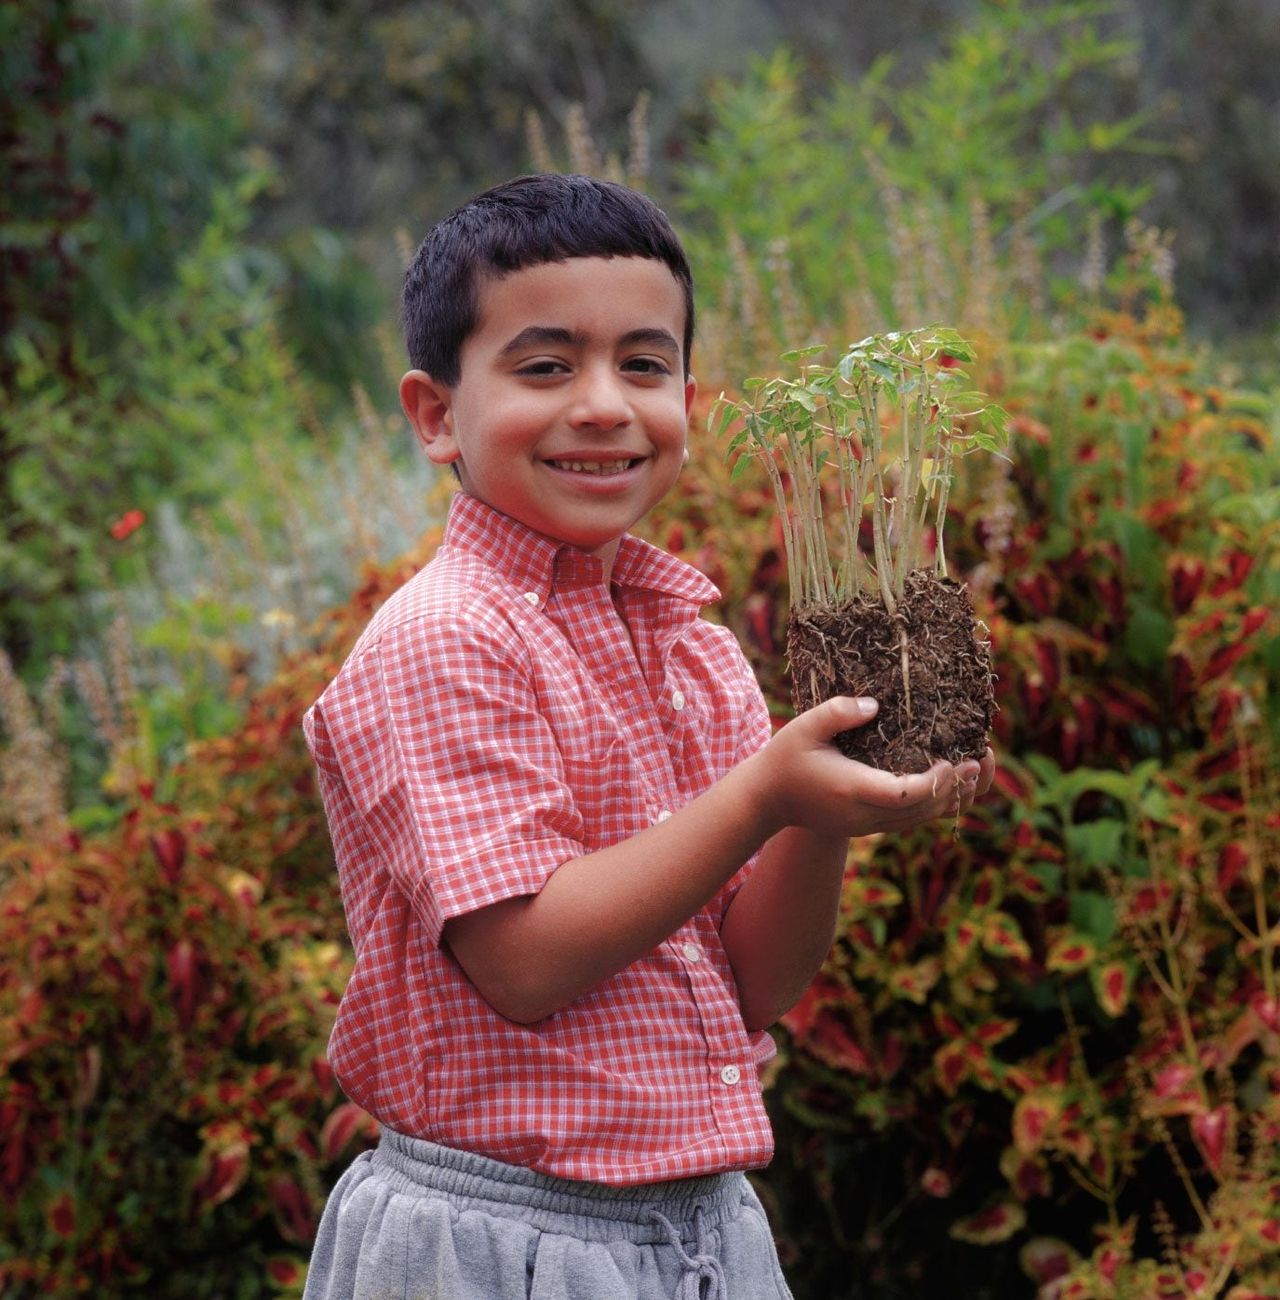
699, 1268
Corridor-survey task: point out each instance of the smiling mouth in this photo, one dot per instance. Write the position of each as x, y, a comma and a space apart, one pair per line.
601, 468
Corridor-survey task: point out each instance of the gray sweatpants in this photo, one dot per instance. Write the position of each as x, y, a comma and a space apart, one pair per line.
415, 1221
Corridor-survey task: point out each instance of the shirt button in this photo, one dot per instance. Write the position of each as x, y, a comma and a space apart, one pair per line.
730, 1075
677, 701
691, 952
532, 597
664, 815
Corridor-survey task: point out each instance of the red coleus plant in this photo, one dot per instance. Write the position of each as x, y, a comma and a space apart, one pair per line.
1077, 994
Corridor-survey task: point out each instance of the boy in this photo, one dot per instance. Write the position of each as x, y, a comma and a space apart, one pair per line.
580, 877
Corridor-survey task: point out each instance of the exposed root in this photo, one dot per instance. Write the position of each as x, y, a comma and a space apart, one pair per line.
904, 652
926, 665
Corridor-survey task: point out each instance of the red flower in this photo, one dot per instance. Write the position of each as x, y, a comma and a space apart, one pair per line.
128, 524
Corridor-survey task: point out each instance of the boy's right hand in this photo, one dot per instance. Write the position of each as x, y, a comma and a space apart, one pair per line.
806, 781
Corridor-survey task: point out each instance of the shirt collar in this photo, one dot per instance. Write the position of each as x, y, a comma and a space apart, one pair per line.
535, 563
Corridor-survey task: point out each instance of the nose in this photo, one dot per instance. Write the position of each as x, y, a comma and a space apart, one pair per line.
600, 400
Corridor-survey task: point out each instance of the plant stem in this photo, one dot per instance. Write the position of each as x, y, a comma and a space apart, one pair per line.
780, 496
944, 491
853, 491
879, 508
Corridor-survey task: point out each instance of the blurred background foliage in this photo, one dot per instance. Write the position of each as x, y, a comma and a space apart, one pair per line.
189, 184
204, 480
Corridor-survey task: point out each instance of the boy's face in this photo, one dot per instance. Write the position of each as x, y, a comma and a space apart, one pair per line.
571, 410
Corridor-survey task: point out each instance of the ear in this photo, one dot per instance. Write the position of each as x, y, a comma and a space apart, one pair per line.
428, 406
690, 392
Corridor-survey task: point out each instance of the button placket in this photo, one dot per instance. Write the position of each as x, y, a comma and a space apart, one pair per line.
613, 659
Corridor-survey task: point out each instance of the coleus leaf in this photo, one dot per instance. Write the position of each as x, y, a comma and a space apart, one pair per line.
1112, 986
1001, 937
996, 1223
1034, 1119
1070, 953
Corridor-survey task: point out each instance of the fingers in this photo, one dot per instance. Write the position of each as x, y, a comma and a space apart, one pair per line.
986, 772
912, 793
860, 798
840, 713
945, 790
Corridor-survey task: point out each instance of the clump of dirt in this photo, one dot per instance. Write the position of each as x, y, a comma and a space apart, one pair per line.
857, 649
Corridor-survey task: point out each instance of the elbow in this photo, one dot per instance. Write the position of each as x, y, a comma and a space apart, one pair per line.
515, 996
755, 1018
520, 1007
763, 1002
503, 964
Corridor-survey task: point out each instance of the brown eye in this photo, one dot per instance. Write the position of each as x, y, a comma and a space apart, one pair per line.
647, 366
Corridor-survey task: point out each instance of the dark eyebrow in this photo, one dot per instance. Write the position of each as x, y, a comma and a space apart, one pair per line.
535, 336
543, 336
654, 338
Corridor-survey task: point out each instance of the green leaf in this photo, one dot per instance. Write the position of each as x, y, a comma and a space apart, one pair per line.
723, 413
1092, 914
1147, 636
1141, 545
1049, 874
799, 354
1097, 844
1045, 770
740, 468
1253, 509
1124, 787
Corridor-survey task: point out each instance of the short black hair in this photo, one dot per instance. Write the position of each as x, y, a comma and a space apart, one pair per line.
525, 222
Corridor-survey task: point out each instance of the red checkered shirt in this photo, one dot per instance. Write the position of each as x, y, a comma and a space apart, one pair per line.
494, 721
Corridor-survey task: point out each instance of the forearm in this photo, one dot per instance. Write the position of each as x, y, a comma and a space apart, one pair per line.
596, 914
781, 923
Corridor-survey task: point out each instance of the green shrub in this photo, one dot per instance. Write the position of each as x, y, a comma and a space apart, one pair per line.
905, 198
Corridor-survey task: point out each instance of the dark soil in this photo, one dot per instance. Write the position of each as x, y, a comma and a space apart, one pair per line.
856, 649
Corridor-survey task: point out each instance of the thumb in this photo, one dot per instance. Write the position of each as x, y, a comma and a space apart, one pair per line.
840, 713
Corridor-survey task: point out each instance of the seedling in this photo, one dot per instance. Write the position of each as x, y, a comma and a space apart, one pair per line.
870, 445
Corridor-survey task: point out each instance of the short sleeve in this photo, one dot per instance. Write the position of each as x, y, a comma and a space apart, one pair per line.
454, 771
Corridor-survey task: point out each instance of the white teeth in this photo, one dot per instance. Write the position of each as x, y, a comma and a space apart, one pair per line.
593, 466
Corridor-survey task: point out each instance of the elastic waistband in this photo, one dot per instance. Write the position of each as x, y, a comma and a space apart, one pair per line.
633, 1213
